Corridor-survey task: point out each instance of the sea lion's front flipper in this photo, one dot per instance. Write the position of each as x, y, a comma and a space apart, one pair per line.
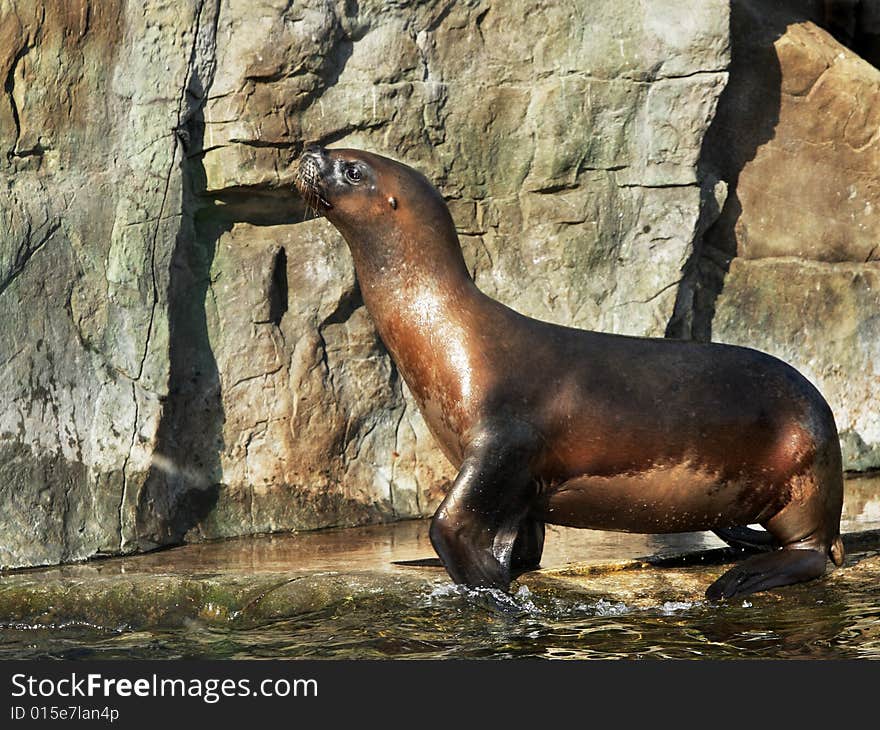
528, 546
475, 529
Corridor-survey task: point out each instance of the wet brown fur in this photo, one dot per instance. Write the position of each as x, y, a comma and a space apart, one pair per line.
573, 427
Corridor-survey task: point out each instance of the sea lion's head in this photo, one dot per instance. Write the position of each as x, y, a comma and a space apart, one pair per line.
366, 195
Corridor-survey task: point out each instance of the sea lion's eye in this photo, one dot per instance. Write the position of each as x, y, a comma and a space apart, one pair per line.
352, 174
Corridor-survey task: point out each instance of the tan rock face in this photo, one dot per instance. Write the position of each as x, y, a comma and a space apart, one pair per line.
90, 216
569, 165
798, 138
823, 160
181, 356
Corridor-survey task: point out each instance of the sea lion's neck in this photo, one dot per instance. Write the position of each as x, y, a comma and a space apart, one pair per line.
411, 281
426, 306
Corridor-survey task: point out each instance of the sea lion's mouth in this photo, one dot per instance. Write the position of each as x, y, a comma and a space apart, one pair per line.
307, 181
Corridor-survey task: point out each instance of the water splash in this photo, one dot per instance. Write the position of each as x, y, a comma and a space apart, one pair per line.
607, 608
522, 601
671, 607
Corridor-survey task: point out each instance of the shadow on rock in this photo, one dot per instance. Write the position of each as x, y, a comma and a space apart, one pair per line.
746, 118
183, 483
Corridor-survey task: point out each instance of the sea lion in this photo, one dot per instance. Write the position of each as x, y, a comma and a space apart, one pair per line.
549, 424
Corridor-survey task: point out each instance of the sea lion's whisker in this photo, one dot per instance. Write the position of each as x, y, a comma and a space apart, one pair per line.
305, 180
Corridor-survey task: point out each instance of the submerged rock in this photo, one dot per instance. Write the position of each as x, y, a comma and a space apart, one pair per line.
219, 586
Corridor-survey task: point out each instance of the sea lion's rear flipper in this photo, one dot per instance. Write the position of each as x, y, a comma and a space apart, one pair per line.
745, 538
770, 570
475, 529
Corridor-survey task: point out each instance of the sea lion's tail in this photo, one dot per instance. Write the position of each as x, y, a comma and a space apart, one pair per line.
836, 551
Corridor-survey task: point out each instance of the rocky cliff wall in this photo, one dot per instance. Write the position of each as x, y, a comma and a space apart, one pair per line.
183, 355
791, 265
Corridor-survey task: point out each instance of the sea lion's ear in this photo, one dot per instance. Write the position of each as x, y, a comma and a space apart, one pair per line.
392, 201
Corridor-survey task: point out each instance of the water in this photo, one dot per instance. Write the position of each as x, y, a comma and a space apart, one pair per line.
837, 617
821, 622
